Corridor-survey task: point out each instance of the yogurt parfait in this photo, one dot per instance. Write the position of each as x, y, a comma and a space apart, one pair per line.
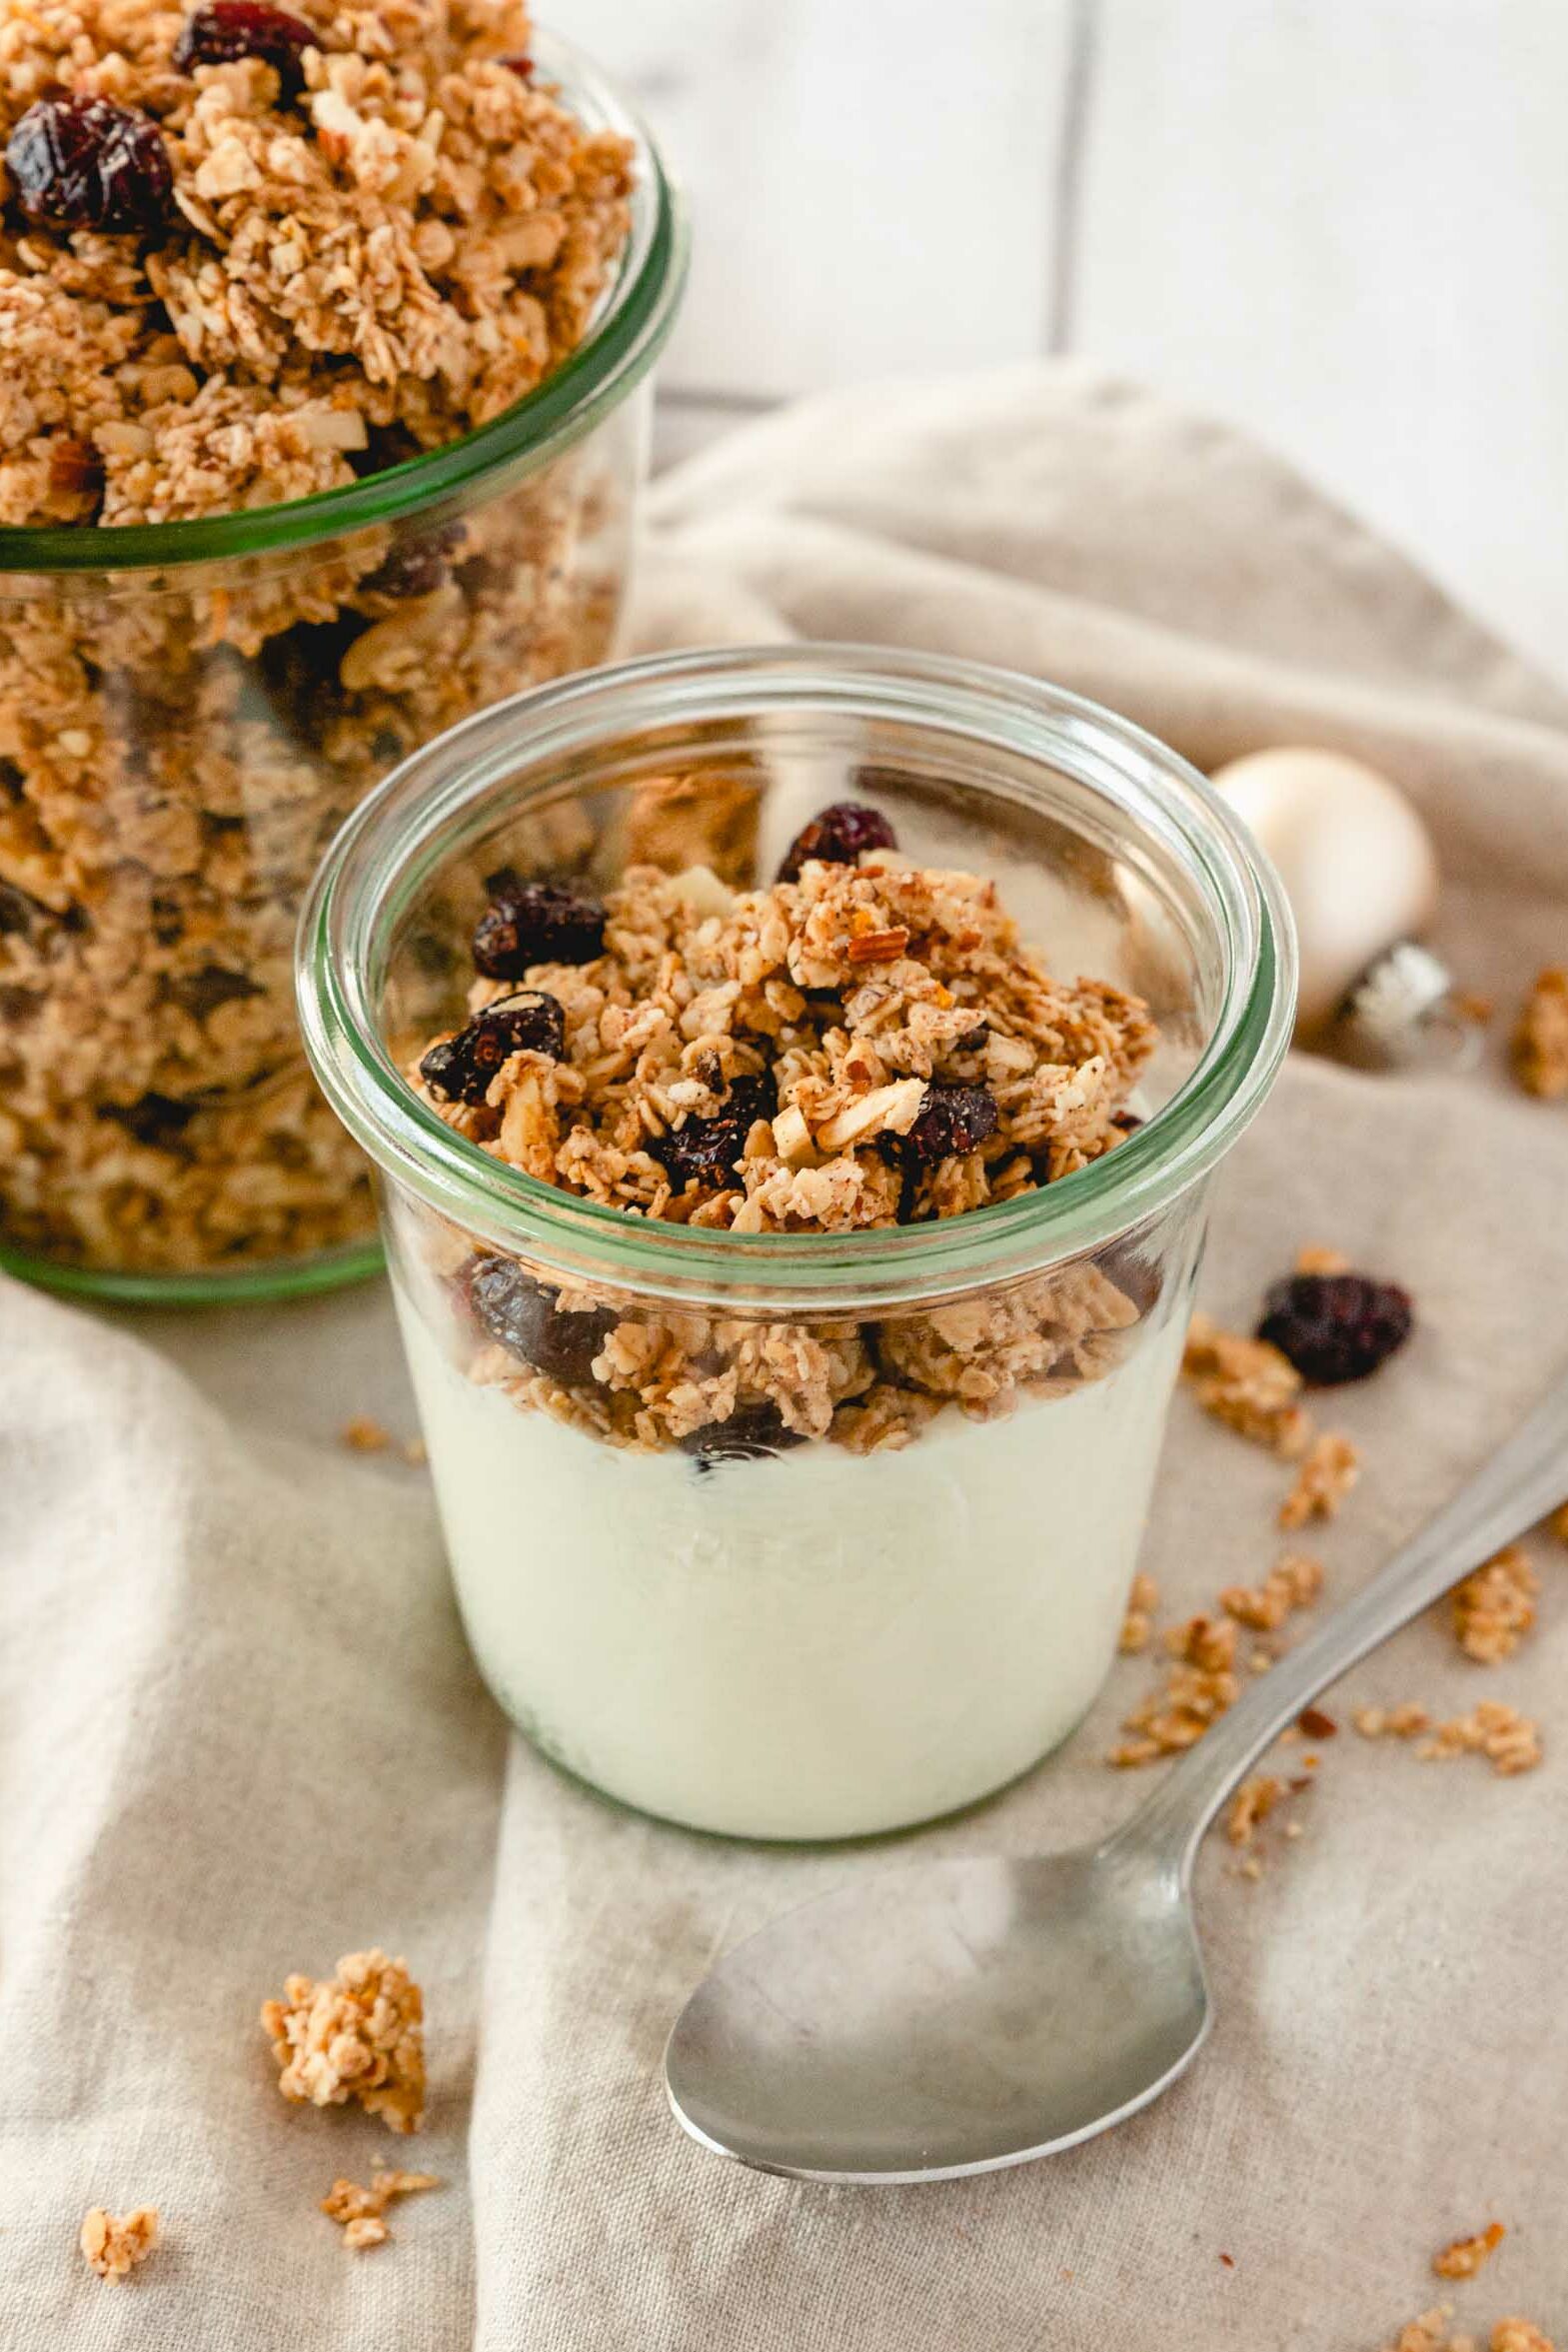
795, 1078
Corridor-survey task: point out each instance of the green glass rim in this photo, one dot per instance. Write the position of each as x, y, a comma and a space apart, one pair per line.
635, 320
405, 830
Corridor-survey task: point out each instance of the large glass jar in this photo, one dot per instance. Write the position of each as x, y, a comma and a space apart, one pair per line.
187, 714
914, 1592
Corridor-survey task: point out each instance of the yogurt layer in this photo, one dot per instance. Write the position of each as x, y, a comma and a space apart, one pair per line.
817, 1644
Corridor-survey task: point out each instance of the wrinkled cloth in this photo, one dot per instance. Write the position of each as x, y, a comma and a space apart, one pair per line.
240, 1734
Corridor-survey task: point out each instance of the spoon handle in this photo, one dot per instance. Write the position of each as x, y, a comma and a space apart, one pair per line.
1525, 1478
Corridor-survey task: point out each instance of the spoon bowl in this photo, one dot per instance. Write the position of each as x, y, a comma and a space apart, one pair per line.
945, 2020
960, 2015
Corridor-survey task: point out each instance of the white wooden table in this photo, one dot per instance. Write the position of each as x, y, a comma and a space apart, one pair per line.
1340, 223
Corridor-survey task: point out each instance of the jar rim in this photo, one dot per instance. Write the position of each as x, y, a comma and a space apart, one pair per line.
634, 318
397, 839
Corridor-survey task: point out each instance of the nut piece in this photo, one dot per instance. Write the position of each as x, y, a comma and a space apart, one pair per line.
114, 2244
355, 2035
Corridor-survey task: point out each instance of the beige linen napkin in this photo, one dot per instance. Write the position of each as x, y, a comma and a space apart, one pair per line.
239, 1734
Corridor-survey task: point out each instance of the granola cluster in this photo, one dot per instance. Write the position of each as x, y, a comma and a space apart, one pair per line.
1540, 1040
1494, 1607
1509, 1741
866, 1045
365, 249
361, 2213
356, 2034
113, 2245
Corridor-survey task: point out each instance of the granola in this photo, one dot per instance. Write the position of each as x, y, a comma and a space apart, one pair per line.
1138, 1623
1330, 1468
360, 2212
1495, 1606
1465, 2256
734, 1059
1510, 1741
358, 2034
113, 2245
1248, 1385
1540, 1041
359, 260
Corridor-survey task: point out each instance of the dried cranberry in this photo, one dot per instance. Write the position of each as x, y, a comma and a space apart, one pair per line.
530, 922
524, 1316
704, 1150
85, 163
220, 31
462, 1069
201, 993
415, 566
1336, 1327
951, 1120
752, 1433
836, 835
152, 1119
522, 67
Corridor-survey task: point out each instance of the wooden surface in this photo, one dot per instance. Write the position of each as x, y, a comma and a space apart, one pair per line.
1340, 223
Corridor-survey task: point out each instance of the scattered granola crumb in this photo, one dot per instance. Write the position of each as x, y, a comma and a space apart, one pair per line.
113, 2245
1429, 2333
1405, 1721
1315, 1258
1248, 1385
355, 2035
1519, 2335
1470, 1006
1253, 1801
363, 1434
1293, 1583
1540, 1042
1464, 2258
1331, 1469
1143, 1602
1511, 1742
414, 1454
1198, 1686
1495, 1608
1229, 2261
361, 2211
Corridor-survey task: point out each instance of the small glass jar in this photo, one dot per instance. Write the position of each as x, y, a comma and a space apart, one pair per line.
188, 711
881, 1624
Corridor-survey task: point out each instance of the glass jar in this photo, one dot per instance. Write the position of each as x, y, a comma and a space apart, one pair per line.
187, 714
900, 1614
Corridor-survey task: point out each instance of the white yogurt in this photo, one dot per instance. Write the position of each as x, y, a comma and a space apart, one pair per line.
814, 1645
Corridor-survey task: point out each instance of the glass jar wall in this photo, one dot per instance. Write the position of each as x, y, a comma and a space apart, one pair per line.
791, 1534
187, 714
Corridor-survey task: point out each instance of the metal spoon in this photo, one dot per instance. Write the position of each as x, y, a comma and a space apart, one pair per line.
962, 2016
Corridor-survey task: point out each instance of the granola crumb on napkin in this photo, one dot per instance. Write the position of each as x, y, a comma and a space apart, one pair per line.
361, 2211
113, 2245
1495, 1606
1464, 2258
1331, 1467
1540, 1044
358, 2034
